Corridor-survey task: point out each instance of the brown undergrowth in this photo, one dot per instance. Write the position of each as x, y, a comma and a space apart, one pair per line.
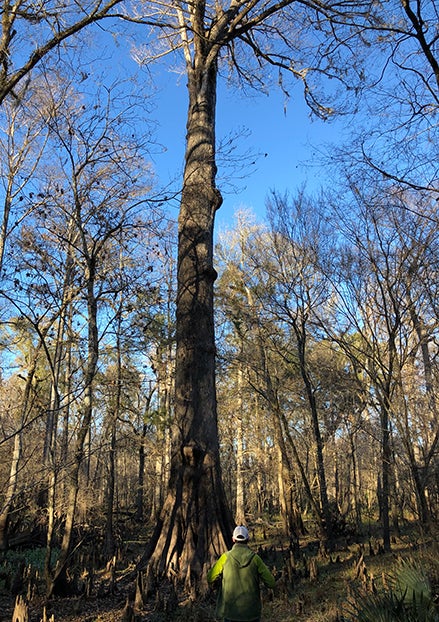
314, 588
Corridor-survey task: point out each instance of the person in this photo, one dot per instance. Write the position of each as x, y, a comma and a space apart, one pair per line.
240, 571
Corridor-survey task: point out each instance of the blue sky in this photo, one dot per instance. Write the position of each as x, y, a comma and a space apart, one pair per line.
287, 140
278, 143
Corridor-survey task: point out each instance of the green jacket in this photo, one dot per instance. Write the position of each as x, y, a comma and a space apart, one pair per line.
241, 571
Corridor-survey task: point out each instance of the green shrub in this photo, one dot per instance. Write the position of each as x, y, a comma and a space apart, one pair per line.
408, 598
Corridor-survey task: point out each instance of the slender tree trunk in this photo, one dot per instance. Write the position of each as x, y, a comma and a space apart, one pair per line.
420, 474
417, 472
383, 481
261, 462
195, 522
6, 507
67, 387
58, 582
141, 475
289, 515
163, 451
10, 491
110, 545
5, 219
355, 480
240, 495
284, 437
321, 474
54, 455
386, 455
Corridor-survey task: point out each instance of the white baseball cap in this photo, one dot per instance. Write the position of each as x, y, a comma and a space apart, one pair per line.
240, 533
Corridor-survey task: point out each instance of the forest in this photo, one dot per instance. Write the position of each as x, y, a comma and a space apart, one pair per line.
161, 383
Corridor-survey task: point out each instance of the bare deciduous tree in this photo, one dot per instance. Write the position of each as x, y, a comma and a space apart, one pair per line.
29, 32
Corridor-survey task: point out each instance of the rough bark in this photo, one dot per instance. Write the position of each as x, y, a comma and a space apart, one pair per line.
195, 522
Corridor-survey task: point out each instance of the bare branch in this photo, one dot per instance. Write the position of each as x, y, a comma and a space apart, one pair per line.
8, 82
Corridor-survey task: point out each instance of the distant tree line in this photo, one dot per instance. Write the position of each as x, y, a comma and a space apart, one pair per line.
328, 348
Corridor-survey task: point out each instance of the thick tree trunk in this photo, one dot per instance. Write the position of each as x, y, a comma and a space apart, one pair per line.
195, 522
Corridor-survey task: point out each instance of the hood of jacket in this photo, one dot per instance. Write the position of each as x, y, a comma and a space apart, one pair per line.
241, 555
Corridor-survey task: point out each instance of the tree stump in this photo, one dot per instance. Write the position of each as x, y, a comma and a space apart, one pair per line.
313, 569
21, 610
128, 612
45, 619
138, 599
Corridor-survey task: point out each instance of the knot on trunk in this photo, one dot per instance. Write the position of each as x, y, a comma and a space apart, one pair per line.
211, 274
193, 455
217, 199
